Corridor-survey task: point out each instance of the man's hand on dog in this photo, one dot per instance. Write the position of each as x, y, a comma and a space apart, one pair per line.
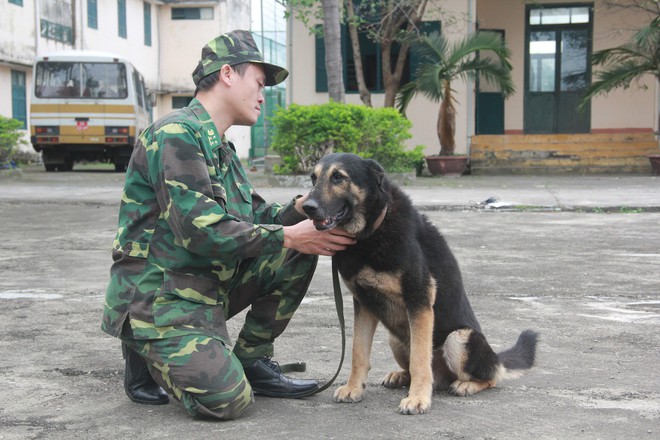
305, 238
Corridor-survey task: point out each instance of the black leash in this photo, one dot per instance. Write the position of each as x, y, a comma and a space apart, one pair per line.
339, 304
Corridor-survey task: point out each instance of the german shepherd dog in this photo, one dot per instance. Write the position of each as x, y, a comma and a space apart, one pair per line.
402, 273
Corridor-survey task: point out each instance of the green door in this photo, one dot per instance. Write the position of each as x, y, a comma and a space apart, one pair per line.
557, 69
18, 97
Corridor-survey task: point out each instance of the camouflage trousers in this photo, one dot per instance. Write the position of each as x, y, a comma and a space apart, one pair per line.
203, 372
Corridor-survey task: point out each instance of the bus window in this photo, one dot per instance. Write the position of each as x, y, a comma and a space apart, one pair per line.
139, 89
81, 80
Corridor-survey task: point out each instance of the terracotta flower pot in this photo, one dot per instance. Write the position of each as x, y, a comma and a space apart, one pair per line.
655, 163
446, 165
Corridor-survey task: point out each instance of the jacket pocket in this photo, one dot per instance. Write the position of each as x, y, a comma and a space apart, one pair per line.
245, 189
189, 300
219, 194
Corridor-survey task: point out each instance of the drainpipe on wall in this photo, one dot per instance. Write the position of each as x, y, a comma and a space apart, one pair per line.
289, 53
82, 25
657, 112
37, 33
470, 86
157, 104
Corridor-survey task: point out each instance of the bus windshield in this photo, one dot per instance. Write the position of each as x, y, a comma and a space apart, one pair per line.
93, 80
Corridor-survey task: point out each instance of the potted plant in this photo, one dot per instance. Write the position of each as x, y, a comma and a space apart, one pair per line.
441, 63
627, 63
655, 163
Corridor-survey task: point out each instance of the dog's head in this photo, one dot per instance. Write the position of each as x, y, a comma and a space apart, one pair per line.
349, 192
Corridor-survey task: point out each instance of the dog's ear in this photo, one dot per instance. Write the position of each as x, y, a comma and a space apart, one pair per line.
377, 170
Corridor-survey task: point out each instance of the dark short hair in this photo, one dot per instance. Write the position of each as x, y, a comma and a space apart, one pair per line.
209, 80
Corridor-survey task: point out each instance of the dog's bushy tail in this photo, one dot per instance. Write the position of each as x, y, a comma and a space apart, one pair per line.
521, 356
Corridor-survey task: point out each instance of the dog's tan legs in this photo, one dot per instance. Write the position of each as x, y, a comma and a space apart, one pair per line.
469, 387
421, 375
442, 375
456, 355
364, 328
400, 378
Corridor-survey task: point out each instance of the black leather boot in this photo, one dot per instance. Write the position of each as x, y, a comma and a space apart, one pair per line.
140, 387
267, 379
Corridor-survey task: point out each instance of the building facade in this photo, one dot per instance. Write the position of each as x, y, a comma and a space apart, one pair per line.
539, 128
161, 38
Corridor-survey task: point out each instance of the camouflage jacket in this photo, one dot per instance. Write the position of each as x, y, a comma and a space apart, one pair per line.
187, 219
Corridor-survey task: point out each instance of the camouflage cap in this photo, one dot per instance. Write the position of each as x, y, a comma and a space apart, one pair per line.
233, 48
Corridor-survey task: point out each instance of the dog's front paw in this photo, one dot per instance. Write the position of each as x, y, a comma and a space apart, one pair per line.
397, 379
348, 393
415, 405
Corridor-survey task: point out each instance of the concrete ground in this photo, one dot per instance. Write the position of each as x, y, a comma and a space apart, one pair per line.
576, 258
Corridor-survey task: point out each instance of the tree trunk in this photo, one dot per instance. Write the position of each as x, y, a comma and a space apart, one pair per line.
365, 94
447, 122
391, 26
333, 61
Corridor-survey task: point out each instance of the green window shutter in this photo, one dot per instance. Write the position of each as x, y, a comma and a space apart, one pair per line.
147, 24
428, 27
121, 14
321, 74
92, 17
18, 98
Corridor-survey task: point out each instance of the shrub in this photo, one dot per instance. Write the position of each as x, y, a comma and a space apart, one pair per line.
10, 138
304, 134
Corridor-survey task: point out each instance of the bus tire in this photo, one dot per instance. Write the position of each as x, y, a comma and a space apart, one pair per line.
68, 165
49, 167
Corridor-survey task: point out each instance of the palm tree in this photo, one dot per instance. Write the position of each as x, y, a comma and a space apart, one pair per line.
624, 64
442, 62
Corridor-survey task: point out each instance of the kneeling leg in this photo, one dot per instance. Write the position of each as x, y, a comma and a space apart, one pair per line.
202, 373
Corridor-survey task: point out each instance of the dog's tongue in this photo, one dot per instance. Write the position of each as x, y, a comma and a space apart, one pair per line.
321, 223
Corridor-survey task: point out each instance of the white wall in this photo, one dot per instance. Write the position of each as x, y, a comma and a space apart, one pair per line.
106, 37
619, 110
17, 32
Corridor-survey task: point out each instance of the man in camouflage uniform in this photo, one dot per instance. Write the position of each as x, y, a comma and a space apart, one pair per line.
196, 245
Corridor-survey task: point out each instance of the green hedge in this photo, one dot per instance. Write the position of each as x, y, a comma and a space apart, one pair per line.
304, 134
10, 138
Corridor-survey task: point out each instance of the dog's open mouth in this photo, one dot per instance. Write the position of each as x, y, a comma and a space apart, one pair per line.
331, 222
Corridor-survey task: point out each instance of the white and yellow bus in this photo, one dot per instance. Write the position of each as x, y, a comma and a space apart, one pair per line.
86, 106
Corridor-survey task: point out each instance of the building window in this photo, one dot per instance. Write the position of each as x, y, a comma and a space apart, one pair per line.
557, 69
181, 101
18, 99
371, 60
56, 31
147, 24
559, 15
92, 20
17, 2
121, 9
192, 13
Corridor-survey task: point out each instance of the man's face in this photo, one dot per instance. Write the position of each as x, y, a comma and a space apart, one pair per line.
249, 95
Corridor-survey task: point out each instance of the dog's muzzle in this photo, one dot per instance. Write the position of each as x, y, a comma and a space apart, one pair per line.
321, 220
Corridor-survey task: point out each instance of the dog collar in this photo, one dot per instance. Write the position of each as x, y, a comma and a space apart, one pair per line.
379, 220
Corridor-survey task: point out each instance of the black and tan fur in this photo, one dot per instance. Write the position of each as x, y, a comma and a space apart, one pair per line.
402, 273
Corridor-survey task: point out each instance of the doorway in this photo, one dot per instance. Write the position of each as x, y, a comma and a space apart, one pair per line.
557, 68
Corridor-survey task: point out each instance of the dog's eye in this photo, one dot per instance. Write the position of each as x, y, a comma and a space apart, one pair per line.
338, 177
313, 176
